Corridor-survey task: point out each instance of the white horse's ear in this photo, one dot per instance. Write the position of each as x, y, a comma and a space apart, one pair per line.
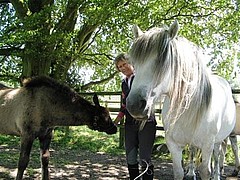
173, 30
137, 31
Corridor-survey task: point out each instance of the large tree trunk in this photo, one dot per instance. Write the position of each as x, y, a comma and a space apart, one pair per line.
34, 62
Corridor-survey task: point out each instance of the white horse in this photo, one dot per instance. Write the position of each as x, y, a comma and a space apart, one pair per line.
201, 109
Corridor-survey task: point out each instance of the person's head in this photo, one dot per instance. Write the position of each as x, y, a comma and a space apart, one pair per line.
123, 66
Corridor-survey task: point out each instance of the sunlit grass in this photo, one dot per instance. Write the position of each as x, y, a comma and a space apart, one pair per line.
78, 137
9, 140
230, 159
84, 138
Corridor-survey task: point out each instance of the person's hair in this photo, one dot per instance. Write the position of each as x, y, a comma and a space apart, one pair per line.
121, 57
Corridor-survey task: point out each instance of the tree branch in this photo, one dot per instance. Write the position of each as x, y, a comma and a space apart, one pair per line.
68, 21
8, 51
84, 35
20, 8
4, 1
86, 86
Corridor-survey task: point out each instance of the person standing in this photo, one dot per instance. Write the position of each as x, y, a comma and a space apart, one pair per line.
138, 143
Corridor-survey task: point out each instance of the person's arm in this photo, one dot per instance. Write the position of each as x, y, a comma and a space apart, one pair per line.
117, 120
121, 113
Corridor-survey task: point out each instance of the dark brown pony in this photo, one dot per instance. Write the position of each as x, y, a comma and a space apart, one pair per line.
32, 111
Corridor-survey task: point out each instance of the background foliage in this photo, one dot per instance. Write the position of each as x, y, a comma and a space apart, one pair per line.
76, 40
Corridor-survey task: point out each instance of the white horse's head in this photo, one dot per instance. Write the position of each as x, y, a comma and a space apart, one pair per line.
164, 64
147, 56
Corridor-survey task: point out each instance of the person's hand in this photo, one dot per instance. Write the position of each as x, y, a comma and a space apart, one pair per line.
116, 121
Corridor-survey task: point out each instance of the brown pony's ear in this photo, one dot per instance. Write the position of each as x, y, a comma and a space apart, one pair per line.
95, 99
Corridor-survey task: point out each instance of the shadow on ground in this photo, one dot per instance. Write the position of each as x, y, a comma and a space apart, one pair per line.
77, 164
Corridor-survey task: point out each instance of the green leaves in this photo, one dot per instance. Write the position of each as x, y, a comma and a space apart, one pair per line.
69, 37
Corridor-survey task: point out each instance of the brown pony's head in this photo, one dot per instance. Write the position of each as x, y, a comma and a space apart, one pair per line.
102, 121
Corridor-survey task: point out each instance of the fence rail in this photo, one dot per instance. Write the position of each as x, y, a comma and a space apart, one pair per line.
112, 100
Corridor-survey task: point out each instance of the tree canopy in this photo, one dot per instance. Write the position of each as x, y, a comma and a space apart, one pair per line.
76, 40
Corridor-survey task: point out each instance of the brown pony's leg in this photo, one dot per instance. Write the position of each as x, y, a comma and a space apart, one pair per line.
25, 149
45, 141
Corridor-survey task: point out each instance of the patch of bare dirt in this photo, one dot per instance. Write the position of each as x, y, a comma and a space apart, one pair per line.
78, 164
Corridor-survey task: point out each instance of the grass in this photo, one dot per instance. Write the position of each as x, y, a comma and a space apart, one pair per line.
80, 137
77, 138
86, 139
9, 140
74, 140
68, 144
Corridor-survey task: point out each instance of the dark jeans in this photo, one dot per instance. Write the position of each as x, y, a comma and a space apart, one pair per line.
139, 142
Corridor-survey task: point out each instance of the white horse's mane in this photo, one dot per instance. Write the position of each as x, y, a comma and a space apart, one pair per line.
190, 84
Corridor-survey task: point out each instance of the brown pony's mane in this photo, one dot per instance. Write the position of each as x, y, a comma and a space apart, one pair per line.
45, 81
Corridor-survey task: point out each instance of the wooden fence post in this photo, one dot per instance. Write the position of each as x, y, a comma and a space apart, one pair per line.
121, 135
121, 129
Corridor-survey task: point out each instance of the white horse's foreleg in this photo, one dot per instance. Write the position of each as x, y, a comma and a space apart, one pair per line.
234, 145
176, 153
205, 168
216, 154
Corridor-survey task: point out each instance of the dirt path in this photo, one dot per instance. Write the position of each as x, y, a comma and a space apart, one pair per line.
76, 165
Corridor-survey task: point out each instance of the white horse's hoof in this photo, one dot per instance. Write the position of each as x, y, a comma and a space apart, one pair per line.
190, 178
